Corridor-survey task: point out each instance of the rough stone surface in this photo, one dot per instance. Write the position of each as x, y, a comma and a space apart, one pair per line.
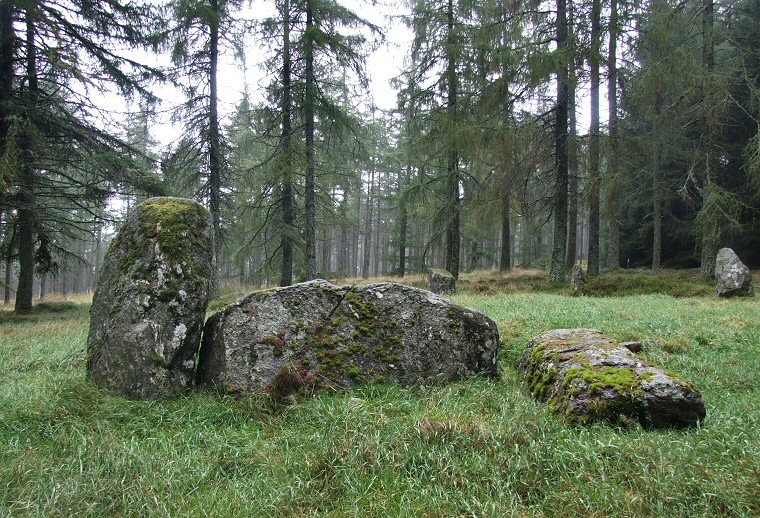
586, 377
733, 277
150, 301
441, 281
315, 334
578, 279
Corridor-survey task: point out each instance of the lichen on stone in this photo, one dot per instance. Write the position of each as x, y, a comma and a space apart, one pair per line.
584, 377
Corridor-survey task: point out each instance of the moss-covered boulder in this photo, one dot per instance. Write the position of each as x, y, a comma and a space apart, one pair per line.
315, 334
150, 301
586, 377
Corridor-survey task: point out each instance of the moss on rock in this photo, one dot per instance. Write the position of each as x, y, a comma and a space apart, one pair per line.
585, 377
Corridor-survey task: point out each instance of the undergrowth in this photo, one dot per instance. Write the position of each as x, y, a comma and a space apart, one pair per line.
472, 448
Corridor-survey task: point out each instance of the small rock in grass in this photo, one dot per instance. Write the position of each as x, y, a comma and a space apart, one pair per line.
586, 377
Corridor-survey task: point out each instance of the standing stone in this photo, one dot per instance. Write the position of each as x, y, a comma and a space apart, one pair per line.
150, 301
585, 377
577, 279
733, 278
315, 334
440, 281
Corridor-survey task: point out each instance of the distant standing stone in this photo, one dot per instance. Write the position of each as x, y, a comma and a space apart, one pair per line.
585, 377
440, 281
733, 277
578, 279
150, 301
313, 335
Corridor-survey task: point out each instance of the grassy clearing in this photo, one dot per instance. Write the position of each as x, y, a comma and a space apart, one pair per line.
475, 448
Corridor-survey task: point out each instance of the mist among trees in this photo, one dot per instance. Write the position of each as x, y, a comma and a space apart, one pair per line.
524, 134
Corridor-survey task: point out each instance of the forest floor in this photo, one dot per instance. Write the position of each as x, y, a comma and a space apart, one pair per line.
473, 448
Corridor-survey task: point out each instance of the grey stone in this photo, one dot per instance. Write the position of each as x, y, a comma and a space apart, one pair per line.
315, 334
150, 301
733, 278
577, 279
440, 281
586, 377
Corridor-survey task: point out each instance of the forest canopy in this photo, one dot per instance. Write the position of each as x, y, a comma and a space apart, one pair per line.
524, 134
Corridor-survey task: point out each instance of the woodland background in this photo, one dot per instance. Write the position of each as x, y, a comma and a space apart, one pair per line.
484, 162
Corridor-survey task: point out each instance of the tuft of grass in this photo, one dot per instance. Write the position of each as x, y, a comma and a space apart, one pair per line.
474, 448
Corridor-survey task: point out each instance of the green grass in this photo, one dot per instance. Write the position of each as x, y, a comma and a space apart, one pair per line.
474, 448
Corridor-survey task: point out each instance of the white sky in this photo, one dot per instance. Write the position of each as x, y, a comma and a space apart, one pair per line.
382, 65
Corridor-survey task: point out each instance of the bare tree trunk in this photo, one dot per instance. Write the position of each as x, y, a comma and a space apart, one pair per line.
326, 252
571, 252
710, 238
288, 211
8, 275
24, 292
367, 247
215, 148
594, 170
376, 237
657, 210
572, 149
505, 259
309, 101
452, 166
403, 222
557, 268
355, 237
613, 251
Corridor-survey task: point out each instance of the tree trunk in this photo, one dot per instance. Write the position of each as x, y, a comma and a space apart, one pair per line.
24, 291
288, 212
356, 237
376, 236
526, 250
309, 194
367, 247
557, 268
505, 259
452, 166
403, 222
7, 60
8, 274
657, 209
594, 171
571, 252
345, 239
572, 151
613, 251
326, 252
215, 149
710, 235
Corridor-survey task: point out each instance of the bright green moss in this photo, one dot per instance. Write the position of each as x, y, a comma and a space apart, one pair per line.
621, 380
173, 222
